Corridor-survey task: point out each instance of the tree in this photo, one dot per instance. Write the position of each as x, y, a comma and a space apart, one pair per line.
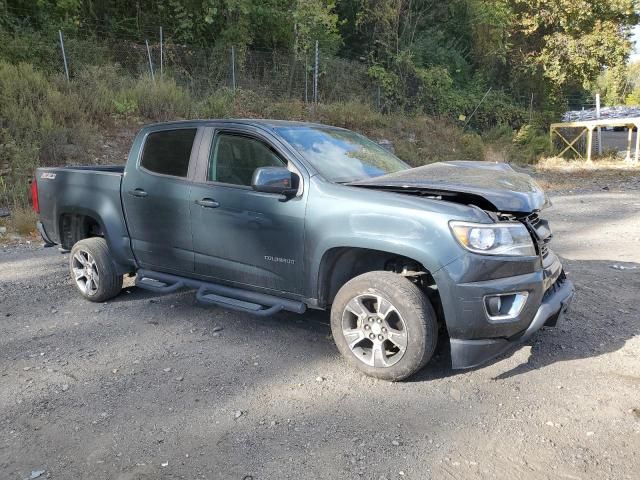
564, 43
440, 53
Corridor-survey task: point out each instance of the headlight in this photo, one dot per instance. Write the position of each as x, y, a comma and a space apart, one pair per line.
511, 239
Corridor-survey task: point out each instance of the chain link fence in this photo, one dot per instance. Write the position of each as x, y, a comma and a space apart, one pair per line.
276, 74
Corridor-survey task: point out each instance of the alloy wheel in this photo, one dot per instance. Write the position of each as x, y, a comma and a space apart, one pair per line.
374, 330
85, 272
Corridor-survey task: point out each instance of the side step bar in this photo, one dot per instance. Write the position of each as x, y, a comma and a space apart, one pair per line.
232, 298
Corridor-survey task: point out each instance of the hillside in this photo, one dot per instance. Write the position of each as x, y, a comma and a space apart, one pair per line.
440, 80
93, 118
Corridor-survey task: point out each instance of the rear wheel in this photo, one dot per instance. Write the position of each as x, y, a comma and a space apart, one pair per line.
93, 271
384, 325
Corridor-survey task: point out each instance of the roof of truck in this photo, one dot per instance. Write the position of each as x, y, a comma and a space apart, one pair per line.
262, 122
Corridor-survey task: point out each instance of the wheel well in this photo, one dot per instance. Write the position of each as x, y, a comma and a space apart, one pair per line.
75, 227
339, 265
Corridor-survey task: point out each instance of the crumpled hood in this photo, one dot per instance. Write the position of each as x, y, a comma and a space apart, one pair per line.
495, 183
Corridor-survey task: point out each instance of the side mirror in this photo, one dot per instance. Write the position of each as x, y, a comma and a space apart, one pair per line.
275, 180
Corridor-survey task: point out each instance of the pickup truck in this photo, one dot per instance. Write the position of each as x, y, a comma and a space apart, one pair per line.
262, 216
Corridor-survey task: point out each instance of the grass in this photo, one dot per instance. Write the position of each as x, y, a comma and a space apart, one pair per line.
562, 174
22, 221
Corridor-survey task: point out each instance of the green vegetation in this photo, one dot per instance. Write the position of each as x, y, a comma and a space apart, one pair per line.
427, 56
430, 63
525, 145
50, 122
632, 85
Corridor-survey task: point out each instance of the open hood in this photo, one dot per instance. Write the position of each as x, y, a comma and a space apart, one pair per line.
491, 186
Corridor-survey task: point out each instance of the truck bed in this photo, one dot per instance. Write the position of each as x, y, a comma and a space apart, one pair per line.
91, 168
82, 190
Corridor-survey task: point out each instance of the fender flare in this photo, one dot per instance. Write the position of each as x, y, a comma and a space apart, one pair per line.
119, 245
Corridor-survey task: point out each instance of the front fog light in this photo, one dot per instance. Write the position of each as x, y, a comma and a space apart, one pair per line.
494, 304
505, 306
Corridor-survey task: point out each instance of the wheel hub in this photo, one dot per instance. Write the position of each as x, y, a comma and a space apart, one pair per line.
374, 330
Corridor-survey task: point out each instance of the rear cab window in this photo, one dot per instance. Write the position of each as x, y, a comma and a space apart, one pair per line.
167, 152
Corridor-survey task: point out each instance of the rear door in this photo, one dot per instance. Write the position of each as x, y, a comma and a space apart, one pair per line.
240, 235
155, 195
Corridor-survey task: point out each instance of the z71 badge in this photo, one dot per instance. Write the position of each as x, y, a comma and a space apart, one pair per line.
48, 175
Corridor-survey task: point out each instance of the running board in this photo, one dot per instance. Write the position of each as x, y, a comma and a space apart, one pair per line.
232, 298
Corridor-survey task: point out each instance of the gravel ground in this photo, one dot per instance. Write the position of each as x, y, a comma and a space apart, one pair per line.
148, 387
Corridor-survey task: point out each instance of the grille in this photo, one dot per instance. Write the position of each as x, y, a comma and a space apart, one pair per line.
555, 285
533, 219
540, 232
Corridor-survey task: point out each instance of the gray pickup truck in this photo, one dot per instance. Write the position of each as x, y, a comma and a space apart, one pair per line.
262, 216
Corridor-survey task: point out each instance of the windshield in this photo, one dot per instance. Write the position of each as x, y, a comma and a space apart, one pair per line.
341, 156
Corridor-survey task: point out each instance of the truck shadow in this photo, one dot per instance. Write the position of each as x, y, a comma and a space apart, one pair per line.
603, 316
602, 319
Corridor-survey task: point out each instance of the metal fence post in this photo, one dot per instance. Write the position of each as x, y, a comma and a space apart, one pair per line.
161, 55
531, 110
599, 131
306, 78
64, 55
315, 77
153, 77
233, 69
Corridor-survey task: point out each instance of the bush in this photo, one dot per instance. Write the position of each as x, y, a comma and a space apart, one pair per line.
125, 107
286, 110
43, 122
472, 147
161, 100
353, 115
102, 92
501, 134
421, 139
23, 220
31, 47
496, 109
436, 91
525, 145
220, 104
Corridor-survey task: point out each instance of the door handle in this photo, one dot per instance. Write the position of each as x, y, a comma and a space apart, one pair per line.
208, 203
138, 192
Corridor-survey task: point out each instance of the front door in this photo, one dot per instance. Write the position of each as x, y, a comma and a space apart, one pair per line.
240, 235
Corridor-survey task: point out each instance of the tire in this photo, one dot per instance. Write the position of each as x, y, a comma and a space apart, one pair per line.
93, 271
381, 305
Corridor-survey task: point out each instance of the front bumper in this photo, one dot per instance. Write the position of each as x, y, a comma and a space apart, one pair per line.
464, 284
469, 353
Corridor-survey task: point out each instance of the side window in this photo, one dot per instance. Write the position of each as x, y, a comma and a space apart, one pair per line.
234, 158
168, 151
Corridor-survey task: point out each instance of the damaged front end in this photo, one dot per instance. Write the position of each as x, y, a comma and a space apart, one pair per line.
491, 302
491, 186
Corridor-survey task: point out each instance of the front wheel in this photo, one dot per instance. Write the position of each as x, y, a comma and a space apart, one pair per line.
93, 271
384, 325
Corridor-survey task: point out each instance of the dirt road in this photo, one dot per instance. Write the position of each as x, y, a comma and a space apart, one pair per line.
148, 387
